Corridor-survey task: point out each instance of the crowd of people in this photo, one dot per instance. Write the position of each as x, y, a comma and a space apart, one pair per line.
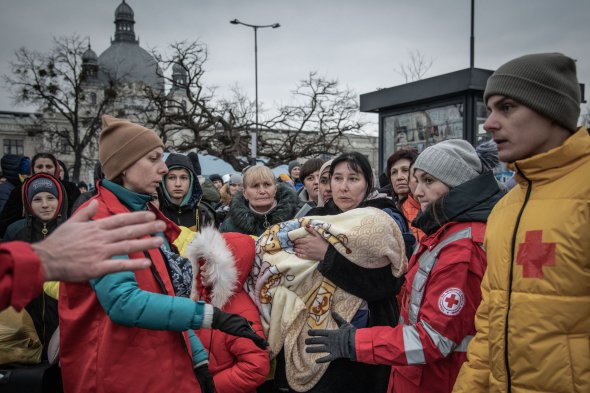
439, 279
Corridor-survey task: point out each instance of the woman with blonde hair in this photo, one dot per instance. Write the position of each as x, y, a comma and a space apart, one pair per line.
261, 204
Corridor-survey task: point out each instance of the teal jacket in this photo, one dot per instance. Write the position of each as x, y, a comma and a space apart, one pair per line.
126, 304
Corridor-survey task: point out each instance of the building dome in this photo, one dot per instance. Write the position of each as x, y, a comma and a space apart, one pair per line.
125, 61
124, 11
177, 69
128, 62
89, 56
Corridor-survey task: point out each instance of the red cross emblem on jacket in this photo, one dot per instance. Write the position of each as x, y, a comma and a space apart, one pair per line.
533, 254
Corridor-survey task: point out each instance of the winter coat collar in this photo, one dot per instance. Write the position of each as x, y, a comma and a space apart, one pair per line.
555, 163
133, 200
115, 206
250, 222
470, 201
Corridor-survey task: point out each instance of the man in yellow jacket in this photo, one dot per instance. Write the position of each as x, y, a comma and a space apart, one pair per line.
533, 324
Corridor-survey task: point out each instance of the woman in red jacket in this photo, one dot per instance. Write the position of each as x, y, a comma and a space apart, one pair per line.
442, 288
221, 264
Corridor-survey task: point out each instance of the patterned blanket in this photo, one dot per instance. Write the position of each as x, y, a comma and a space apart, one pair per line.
293, 297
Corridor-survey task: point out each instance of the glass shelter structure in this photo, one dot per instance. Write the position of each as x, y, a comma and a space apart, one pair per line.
428, 111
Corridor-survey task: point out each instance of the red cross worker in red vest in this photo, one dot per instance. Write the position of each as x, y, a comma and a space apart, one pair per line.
442, 291
533, 325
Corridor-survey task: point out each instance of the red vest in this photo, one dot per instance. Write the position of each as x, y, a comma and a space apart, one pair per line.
98, 355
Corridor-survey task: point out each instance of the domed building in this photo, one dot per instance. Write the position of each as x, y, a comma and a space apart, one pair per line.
125, 61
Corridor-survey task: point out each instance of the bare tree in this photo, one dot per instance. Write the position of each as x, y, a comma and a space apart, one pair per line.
189, 116
55, 83
416, 67
316, 123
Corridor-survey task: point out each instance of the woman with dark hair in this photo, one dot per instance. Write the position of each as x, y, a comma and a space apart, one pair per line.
117, 330
351, 181
442, 291
398, 173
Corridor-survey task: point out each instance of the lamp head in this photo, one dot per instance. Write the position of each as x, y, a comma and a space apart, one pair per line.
276, 25
234, 22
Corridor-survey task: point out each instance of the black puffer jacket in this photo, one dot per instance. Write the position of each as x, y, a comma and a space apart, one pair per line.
243, 220
43, 308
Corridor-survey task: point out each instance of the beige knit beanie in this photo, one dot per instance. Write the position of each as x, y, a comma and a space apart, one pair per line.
121, 143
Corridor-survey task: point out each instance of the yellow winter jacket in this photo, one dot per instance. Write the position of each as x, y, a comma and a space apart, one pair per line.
533, 324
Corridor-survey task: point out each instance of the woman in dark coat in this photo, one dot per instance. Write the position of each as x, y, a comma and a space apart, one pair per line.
261, 204
351, 181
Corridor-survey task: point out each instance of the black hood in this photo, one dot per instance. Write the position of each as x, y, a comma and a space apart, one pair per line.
471, 201
11, 166
176, 160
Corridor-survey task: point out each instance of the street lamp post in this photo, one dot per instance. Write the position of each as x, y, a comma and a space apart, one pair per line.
255, 27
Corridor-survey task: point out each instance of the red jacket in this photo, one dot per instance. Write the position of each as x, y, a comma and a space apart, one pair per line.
428, 347
21, 275
98, 355
225, 260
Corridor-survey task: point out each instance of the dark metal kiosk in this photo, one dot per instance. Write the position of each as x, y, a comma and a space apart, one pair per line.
428, 111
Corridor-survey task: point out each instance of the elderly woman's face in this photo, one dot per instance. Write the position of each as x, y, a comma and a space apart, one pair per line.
348, 187
260, 194
144, 175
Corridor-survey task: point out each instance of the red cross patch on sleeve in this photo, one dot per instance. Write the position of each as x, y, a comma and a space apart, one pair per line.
451, 301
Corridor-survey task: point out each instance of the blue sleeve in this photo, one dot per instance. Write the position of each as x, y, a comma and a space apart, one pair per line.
199, 353
127, 305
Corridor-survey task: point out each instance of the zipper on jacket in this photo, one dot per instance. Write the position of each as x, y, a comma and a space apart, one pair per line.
510, 277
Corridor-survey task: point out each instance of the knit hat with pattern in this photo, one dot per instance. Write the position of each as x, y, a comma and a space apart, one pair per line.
122, 143
41, 184
544, 82
453, 162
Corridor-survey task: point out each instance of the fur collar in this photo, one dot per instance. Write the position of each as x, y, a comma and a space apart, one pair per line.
252, 223
217, 271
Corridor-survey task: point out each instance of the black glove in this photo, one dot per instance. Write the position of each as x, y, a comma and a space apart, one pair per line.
205, 378
337, 343
236, 326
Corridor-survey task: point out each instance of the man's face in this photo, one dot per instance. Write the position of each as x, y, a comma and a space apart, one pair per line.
177, 183
218, 184
519, 131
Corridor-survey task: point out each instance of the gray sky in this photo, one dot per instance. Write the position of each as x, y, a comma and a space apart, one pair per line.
360, 43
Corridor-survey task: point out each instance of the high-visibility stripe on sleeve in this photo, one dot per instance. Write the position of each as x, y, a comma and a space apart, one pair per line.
413, 345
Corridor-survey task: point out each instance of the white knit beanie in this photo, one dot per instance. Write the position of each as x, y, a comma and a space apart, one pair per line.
453, 162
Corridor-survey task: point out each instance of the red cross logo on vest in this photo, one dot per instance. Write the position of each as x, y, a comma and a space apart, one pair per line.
451, 301
533, 254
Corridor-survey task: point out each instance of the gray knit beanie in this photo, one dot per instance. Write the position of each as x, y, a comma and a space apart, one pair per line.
293, 164
544, 82
453, 162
